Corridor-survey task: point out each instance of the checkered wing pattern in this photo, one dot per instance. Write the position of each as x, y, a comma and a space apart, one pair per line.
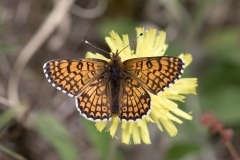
155, 73
94, 102
134, 101
72, 76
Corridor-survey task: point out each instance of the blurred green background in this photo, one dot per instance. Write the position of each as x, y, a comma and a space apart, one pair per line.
38, 122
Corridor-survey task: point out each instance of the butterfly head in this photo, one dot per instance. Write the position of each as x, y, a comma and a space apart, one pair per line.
115, 56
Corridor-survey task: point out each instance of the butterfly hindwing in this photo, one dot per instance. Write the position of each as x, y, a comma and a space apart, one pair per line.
155, 73
94, 102
134, 101
72, 76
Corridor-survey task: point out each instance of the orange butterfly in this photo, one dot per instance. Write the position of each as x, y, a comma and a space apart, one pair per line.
104, 89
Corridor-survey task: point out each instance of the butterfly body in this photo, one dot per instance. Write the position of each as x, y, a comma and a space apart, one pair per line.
115, 74
104, 89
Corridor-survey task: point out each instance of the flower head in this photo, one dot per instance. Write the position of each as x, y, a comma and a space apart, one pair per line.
164, 111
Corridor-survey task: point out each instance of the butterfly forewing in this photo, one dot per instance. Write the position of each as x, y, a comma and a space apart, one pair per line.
94, 101
155, 73
72, 76
134, 101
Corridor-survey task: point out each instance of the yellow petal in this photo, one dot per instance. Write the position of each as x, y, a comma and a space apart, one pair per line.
187, 58
144, 49
185, 86
114, 126
126, 53
101, 125
160, 47
126, 132
136, 135
114, 42
181, 113
169, 126
144, 131
96, 55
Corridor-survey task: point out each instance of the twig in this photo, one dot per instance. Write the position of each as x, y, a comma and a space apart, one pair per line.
90, 13
5, 101
232, 151
50, 24
216, 126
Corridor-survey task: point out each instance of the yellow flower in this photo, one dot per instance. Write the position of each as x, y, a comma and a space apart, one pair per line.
164, 111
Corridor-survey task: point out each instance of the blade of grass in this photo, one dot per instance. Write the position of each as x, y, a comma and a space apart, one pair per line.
101, 141
11, 153
57, 135
5, 117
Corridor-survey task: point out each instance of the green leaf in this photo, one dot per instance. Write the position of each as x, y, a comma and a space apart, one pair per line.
6, 48
57, 135
223, 45
119, 25
5, 117
100, 140
222, 73
219, 92
224, 102
178, 151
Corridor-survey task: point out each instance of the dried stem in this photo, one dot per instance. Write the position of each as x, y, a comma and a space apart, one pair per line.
54, 19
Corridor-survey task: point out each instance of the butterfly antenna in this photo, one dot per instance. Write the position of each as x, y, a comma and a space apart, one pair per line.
141, 34
85, 41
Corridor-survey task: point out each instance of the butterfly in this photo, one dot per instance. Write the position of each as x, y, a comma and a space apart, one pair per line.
105, 89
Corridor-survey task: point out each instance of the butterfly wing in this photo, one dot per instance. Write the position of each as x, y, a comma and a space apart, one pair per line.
134, 101
72, 76
155, 73
94, 102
